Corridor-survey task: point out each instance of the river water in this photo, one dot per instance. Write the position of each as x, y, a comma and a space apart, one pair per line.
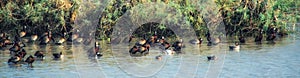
251, 61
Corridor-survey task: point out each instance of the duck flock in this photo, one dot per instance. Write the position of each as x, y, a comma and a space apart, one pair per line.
21, 38
141, 47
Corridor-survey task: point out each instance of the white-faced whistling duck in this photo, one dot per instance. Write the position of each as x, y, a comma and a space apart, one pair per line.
234, 47
30, 60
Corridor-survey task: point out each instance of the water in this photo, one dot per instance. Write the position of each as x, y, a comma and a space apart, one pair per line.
267, 60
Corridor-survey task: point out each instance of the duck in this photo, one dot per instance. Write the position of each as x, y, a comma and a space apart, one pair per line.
211, 40
39, 54
212, 57
151, 40
2, 35
134, 50
178, 45
141, 42
30, 60
271, 33
22, 33
196, 41
259, 37
57, 55
73, 35
234, 47
8, 41
14, 59
46, 38
15, 48
97, 50
165, 45
33, 37
60, 41
143, 49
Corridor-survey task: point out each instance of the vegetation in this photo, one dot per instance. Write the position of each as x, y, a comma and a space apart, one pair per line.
238, 15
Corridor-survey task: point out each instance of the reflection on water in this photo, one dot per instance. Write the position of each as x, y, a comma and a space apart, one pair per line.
265, 60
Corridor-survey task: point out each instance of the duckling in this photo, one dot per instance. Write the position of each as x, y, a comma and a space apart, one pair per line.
57, 55
259, 37
235, 47
212, 57
39, 54
30, 60
196, 41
